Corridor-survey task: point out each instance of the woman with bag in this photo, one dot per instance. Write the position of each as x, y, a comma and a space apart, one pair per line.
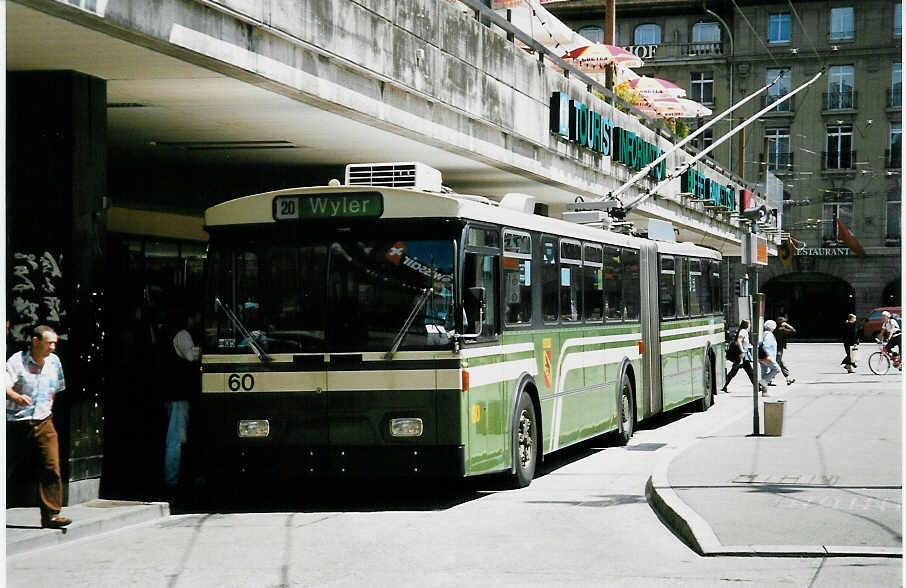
740, 353
850, 337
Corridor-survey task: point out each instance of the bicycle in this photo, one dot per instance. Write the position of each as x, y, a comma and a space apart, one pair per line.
880, 361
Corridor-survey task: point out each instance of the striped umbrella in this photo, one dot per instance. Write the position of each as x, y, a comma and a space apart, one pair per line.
693, 109
596, 57
660, 107
656, 87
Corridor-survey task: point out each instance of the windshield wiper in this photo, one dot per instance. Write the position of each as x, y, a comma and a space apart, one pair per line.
416, 306
262, 355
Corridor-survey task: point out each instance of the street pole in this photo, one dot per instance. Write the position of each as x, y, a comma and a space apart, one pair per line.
757, 315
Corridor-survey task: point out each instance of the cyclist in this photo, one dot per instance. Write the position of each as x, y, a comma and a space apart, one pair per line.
890, 334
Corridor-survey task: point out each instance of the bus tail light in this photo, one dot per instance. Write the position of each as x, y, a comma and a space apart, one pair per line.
465, 380
641, 347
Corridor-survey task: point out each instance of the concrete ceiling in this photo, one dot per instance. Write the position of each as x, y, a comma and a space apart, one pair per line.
164, 109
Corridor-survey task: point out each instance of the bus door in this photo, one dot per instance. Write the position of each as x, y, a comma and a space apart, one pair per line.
651, 395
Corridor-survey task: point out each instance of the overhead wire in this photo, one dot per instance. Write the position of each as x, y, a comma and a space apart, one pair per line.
805, 33
755, 32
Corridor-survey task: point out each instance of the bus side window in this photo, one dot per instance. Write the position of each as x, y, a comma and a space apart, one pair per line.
517, 277
704, 289
695, 274
550, 279
682, 277
482, 271
632, 289
593, 284
613, 284
717, 300
667, 287
570, 281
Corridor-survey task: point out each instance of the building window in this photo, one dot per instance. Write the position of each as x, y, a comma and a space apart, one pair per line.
705, 39
892, 223
779, 28
778, 145
842, 23
840, 94
896, 86
839, 144
593, 34
898, 20
704, 140
702, 87
894, 150
647, 34
838, 204
781, 88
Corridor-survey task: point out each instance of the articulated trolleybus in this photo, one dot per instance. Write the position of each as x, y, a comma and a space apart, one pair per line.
384, 326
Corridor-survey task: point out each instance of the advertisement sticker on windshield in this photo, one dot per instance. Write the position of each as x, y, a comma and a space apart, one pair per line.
333, 205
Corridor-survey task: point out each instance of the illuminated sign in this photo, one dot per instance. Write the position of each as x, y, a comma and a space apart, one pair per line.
331, 205
574, 121
703, 188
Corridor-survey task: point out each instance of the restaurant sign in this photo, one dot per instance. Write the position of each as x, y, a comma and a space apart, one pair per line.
823, 251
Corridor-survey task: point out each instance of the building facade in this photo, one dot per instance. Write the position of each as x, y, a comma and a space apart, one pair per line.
835, 146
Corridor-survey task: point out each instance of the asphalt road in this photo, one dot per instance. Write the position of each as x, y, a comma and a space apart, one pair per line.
585, 521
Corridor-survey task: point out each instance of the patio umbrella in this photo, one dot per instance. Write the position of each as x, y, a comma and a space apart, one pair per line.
660, 107
656, 87
598, 56
693, 109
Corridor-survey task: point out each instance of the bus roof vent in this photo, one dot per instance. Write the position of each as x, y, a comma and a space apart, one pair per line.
409, 174
521, 202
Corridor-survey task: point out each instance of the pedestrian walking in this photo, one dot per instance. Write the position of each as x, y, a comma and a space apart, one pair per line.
742, 357
33, 379
782, 333
185, 382
767, 356
850, 336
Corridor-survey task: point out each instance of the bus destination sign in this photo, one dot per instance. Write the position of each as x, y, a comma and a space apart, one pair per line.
329, 205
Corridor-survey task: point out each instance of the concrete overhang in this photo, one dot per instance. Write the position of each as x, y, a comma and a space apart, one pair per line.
178, 94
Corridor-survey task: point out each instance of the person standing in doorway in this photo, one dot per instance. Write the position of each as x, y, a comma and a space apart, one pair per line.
185, 384
782, 333
33, 379
743, 359
850, 336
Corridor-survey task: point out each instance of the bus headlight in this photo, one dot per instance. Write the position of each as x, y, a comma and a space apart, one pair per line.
408, 427
254, 428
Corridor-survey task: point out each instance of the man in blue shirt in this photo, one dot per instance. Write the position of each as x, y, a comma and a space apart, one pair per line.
33, 378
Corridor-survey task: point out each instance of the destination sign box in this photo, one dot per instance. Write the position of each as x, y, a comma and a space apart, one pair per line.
328, 205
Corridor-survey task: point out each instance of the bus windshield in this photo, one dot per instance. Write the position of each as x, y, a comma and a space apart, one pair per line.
331, 291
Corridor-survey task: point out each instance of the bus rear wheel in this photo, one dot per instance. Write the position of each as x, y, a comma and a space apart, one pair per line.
525, 442
627, 412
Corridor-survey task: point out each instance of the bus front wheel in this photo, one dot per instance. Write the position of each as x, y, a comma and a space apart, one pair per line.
525, 442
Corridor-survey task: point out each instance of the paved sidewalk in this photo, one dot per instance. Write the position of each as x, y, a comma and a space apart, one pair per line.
24, 532
829, 486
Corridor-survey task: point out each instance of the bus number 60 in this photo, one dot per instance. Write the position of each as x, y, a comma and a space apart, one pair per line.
246, 382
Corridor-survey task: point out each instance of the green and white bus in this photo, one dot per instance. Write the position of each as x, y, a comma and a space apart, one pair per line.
374, 328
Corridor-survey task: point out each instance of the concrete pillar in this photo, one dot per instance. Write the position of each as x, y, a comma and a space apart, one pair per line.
56, 194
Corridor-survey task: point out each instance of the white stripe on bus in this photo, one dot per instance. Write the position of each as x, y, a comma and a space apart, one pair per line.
501, 372
700, 328
497, 350
690, 343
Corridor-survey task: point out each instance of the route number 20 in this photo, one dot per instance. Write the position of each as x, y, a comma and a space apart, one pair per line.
246, 382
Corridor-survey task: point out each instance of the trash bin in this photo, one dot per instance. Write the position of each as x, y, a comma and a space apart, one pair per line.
773, 417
